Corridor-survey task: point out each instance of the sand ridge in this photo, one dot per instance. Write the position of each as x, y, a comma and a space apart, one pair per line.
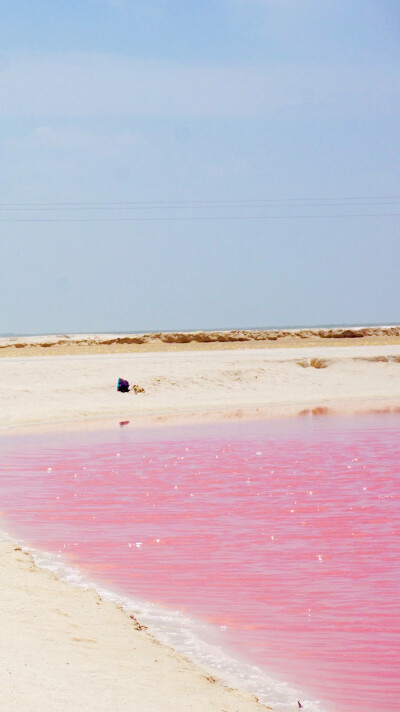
65, 344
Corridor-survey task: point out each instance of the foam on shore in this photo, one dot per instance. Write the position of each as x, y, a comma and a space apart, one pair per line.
194, 639
70, 646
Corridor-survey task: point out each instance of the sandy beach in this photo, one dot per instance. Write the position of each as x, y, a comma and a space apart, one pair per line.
64, 648
47, 380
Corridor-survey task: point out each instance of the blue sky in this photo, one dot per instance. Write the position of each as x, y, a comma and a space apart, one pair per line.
275, 121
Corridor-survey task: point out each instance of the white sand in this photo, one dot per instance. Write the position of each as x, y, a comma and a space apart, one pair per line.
63, 648
203, 383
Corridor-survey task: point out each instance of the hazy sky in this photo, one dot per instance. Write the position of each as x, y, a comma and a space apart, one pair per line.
122, 123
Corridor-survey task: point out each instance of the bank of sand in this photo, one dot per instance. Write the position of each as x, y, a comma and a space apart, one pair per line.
65, 649
76, 380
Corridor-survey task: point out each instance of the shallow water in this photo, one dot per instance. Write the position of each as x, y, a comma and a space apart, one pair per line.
284, 536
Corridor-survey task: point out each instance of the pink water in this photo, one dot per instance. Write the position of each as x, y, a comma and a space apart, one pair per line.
283, 535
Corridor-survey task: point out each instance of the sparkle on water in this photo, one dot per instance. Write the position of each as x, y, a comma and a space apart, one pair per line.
283, 535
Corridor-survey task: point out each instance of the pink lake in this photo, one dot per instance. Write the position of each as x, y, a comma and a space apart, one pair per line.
282, 536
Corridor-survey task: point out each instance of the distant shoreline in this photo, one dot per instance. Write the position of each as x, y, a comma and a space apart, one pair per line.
273, 327
70, 344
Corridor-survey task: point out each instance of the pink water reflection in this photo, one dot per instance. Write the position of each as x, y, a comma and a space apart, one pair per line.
286, 534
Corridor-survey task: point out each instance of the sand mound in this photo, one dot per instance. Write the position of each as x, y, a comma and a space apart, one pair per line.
241, 336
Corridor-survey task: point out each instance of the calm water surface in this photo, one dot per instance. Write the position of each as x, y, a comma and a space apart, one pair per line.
283, 535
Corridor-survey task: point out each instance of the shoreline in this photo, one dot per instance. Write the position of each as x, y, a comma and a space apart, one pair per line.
42, 613
196, 644
82, 650
334, 408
